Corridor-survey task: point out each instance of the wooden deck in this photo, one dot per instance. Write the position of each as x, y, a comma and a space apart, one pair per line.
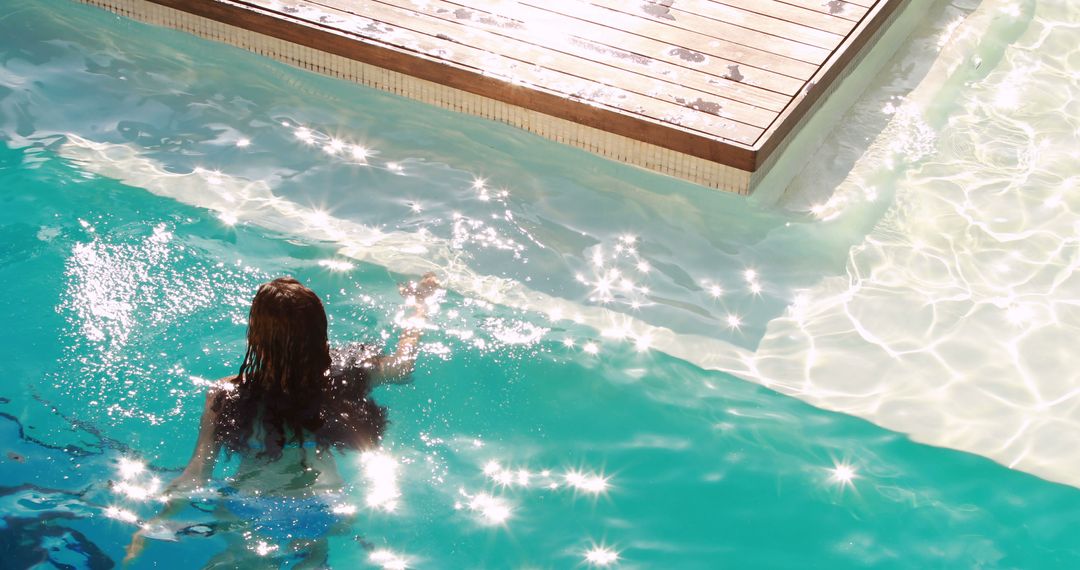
724, 81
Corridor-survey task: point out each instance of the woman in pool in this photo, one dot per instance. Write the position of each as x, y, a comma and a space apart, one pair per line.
292, 402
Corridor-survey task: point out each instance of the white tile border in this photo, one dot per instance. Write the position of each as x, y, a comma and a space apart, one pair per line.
608, 145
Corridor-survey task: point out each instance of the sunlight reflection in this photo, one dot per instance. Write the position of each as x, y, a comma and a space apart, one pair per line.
381, 471
304, 134
337, 264
138, 492
130, 468
579, 481
318, 218
228, 218
360, 153
615, 332
263, 548
590, 483
388, 560
121, 514
491, 509
843, 474
616, 276
335, 146
600, 555
344, 509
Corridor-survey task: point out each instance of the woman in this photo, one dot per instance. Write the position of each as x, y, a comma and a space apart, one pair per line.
292, 402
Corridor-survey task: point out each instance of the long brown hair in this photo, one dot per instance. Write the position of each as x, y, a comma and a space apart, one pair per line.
285, 384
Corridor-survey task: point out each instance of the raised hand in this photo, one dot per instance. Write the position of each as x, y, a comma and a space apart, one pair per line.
427, 286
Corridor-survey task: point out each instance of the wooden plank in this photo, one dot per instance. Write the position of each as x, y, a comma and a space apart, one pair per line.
820, 20
743, 103
628, 90
615, 43
838, 8
722, 30
680, 10
701, 43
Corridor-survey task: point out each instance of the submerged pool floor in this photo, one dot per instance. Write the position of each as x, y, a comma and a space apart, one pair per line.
147, 188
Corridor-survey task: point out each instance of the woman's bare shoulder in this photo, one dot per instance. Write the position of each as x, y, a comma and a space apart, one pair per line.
217, 388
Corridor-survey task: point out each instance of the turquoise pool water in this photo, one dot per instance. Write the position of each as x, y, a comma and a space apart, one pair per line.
582, 399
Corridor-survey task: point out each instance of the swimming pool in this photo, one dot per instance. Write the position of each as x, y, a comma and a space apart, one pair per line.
582, 400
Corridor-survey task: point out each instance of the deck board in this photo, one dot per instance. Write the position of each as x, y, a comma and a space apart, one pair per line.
730, 30
839, 8
727, 20
819, 20
723, 81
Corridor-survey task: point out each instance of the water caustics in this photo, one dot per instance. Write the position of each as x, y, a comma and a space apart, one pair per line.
955, 320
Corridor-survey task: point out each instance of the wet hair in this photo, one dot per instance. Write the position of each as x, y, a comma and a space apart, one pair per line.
285, 386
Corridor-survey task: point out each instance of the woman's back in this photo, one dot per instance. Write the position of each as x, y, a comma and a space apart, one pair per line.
298, 471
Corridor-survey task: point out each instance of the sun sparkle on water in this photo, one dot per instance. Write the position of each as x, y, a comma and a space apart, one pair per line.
380, 469
360, 152
600, 555
843, 474
388, 559
334, 146
117, 513
130, 468
492, 510
587, 482
304, 134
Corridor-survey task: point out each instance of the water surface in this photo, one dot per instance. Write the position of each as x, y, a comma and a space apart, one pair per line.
582, 395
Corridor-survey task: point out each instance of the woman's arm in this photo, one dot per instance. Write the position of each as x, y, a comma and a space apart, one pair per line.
203, 459
197, 473
395, 368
